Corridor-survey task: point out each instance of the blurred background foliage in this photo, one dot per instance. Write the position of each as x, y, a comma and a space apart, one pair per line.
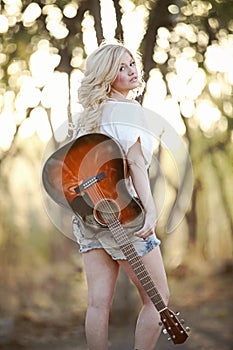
187, 51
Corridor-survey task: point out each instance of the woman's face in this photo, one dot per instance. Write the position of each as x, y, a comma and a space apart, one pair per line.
127, 77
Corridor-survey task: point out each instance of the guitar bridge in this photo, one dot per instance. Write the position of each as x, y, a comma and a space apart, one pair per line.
90, 182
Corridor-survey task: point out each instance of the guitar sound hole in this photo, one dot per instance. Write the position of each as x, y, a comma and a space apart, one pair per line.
106, 211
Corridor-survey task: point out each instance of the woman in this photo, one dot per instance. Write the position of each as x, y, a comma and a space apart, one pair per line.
111, 76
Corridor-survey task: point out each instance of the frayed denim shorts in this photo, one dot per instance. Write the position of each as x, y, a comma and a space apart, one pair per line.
88, 240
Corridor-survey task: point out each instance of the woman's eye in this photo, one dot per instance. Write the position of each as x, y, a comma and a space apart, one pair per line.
131, 64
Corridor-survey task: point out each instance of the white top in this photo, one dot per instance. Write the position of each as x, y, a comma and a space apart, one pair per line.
126, 122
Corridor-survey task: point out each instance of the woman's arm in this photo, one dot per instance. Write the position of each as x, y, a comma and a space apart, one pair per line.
141, 183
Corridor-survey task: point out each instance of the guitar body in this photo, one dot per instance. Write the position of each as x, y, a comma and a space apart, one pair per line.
68, 171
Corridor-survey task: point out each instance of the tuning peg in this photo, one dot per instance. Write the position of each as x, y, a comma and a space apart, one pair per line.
160, 323
177, 313
187, 329
182, 321
164, 331
169, 339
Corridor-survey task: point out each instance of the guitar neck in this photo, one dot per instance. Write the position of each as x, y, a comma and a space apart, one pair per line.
136, 263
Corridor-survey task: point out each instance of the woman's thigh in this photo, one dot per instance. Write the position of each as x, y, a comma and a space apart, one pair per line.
101, 272
154, 265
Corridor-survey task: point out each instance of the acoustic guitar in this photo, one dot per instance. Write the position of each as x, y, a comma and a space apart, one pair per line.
89, 175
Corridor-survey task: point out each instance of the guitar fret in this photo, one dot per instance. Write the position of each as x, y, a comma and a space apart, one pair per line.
140, 271
135, 263
155, 297
159, 305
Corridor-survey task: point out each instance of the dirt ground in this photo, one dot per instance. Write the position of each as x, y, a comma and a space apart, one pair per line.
206, 304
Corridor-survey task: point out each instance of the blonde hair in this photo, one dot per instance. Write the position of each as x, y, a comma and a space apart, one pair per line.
102, 67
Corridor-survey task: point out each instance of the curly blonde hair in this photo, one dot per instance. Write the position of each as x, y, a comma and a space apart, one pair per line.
102, 67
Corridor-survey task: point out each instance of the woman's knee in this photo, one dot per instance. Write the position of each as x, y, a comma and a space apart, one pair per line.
102, 301
101, 272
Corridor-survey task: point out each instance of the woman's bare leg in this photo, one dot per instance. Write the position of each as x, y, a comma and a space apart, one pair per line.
101, 272
147, 329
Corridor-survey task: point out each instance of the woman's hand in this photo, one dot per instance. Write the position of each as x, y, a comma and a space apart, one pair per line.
148, 227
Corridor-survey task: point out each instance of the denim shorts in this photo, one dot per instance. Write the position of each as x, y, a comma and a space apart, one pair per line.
89, 240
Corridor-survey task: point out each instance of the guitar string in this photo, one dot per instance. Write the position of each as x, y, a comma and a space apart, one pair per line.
117, 229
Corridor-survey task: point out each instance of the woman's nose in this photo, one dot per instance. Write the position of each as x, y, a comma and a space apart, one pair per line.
130, 71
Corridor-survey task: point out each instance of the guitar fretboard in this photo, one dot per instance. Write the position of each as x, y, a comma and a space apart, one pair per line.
136, 263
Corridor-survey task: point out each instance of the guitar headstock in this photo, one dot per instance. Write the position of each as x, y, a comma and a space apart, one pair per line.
178, 334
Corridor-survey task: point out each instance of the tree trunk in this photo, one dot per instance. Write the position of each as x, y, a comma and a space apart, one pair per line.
119, 31
154, 23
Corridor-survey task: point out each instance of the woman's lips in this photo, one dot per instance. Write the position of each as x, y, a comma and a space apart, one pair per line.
132, 80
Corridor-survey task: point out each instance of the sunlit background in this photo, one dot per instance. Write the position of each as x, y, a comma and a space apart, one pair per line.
189, 81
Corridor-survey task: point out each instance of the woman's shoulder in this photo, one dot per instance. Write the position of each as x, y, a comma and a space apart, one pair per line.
124, 118
120, 110
123, 103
